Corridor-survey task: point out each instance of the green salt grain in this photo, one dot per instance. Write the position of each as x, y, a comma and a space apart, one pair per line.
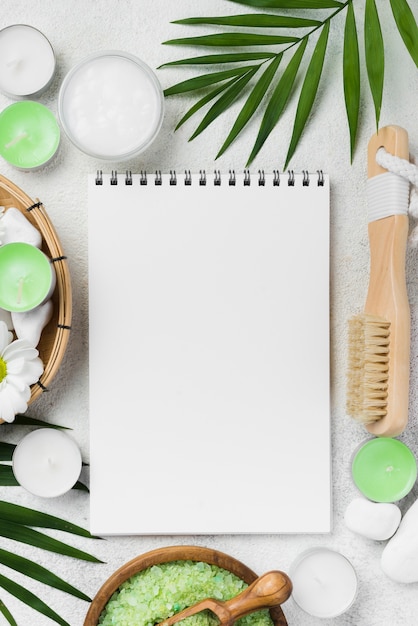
160, 591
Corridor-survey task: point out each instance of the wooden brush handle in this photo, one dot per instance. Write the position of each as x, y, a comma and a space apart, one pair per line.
387, 295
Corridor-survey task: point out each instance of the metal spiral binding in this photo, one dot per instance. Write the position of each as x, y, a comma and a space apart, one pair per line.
276, 178
188, 178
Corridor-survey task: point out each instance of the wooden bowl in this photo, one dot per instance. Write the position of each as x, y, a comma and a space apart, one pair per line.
55, 335
167, 555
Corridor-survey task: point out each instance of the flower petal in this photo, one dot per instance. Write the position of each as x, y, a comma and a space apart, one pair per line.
5, 336
19, 348
31, 371
11, 402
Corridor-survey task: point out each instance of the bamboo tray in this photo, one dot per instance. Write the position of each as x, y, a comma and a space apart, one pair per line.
55, 335
167, 555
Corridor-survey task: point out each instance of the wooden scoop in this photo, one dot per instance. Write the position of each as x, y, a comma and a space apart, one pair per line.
265, 592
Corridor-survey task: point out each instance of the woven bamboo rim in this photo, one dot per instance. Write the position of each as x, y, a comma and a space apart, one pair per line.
55, 335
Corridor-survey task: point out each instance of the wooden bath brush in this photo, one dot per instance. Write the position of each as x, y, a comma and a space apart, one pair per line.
379, 338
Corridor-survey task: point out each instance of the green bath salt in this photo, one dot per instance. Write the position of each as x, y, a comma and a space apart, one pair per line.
160, 591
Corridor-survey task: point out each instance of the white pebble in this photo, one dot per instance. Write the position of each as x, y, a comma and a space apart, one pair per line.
374, 520
30, 324
400, 555
18, 228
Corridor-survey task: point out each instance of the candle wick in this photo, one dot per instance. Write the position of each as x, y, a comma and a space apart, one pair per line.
50, 462
16, 140
20, 290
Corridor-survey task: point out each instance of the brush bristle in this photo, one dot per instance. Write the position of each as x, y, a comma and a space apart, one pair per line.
368, 368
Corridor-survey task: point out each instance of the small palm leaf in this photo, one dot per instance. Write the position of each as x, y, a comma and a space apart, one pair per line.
290, 4
25, 420
407, 26
26, 596
30, 517
37, 572
205, 80
278, 100
351, 75
203, 101
254, 20
224, 101
232, 39
6, 613
308, 91
375, 55
19, 532
252, 103
234, 57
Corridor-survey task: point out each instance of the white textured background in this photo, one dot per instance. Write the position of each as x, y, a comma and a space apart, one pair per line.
78, 28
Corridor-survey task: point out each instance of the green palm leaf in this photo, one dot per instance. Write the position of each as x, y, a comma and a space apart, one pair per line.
231, 39
201, 103
30, 517
407, 26
6, 613
23, 534
37, 572
290, 4
278, 100
206, 80
254, 20
224, 102
235, 57
308, 91
375, 55
7, 478
26, 596
252, 103
351, 75
25, 420
6, 451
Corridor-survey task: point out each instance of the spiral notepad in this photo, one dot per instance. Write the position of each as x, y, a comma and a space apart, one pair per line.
209, 352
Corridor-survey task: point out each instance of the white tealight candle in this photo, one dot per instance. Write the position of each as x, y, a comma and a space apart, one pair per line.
27, 61
324, 582
47, 462
111, 105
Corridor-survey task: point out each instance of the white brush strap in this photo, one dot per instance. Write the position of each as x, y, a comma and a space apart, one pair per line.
387, 194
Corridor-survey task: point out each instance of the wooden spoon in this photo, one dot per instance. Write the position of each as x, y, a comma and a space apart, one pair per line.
267, 591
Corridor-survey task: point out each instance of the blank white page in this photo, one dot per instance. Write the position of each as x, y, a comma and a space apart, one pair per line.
209, 356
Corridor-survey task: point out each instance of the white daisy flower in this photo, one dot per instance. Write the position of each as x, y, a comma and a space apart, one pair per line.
20, 367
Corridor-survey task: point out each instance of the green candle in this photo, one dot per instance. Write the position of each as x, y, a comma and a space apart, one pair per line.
27, 277
384, 469
29, 134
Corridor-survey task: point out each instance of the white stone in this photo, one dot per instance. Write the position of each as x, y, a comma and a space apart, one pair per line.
18, 228
30, 324
400, 556
6, 317
374, 520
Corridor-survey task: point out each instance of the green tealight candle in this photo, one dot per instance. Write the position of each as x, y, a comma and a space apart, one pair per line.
384, 469
29, 134
27, 277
